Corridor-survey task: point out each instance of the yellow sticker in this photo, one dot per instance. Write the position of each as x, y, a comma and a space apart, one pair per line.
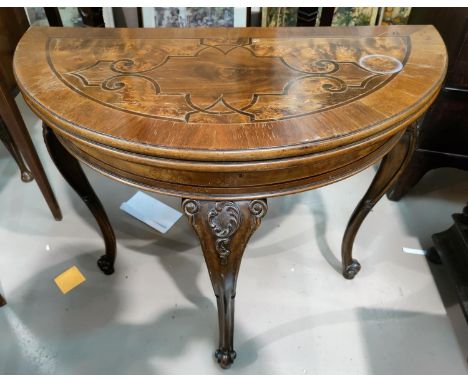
69, 279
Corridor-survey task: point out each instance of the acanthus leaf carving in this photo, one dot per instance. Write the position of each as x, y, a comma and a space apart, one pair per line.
224, 220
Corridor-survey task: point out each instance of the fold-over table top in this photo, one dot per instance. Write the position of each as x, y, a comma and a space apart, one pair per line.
230, 94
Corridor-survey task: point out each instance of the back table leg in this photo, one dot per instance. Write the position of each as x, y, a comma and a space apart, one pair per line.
5, 137
16, 127
71, 170
224, 228
392, 165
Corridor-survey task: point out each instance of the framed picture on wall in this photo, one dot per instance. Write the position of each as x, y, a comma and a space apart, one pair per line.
353, 16
186, 17
69, 16
394, 15
279, 16
36, 16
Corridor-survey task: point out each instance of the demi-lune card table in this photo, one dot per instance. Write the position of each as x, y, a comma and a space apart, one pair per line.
226, 118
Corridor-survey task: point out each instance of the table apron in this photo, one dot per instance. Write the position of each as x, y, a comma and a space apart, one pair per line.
243, 182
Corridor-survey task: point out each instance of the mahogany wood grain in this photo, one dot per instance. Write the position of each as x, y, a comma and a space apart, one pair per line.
225, 118
224, 229
254, 99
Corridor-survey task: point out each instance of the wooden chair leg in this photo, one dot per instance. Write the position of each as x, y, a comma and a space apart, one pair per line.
392, 165
72, 172
14, 122
224, 228
10, 145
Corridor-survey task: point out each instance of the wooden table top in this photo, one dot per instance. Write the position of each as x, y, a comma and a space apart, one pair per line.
236, 94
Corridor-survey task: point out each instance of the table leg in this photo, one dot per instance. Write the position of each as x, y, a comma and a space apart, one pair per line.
5, 137
2, 301
224, 228
392, 165
11, 116
71, 170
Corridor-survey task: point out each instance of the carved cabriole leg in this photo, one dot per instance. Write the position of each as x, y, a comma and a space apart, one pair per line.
392, 165
224, 228
71, 170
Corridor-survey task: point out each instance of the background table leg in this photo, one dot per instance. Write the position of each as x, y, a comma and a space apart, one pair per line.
392, 165
14, 123
71, 170
2, 301
224, 228
10, 145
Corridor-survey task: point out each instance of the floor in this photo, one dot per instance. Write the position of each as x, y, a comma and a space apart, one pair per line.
294, 313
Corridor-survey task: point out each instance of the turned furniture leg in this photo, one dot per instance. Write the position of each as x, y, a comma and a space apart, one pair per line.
224, 228
71, 170
5, 137
11, 116
392, 165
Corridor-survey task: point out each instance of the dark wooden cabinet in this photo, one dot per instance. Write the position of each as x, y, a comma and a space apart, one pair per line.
443, 133
451, 250
443, 142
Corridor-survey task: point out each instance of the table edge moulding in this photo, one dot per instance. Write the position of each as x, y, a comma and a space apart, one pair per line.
225, 118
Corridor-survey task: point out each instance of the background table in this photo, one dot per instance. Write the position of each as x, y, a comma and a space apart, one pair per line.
225, 118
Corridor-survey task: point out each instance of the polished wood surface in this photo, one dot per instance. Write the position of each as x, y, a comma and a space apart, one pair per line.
167, 84
190, 112
227, 117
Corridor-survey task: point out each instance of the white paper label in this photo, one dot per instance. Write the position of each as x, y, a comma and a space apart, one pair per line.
414, 251
151, 211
